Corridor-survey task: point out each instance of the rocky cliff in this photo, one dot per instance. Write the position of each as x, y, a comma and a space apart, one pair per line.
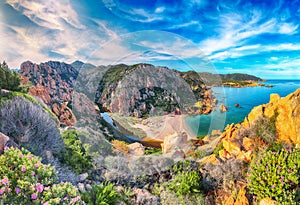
143, 89
276, 121
53, 82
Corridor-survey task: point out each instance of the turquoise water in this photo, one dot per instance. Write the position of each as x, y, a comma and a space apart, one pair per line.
247, 98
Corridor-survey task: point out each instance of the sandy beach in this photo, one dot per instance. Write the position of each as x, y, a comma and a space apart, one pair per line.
158, 127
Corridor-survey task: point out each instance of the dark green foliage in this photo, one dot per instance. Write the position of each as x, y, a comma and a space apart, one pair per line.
218, 148
184, 184
194, 80
10, 80
103, 194
153, 151
276, 175
76, 154
156, 97
238, 77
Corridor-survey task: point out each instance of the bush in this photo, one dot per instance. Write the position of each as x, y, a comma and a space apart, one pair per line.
276, 175
25, 180
29, 124
184, 186
221, 176
10, 80
103, 194
76, 154
120, 147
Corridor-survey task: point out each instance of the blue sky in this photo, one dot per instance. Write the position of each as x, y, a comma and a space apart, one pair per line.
223, 36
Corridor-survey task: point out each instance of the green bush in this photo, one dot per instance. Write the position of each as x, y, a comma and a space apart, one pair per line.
218, 149
276, 175
184, 186
10, 80
76, 154
103, 194
153, 151
25, 180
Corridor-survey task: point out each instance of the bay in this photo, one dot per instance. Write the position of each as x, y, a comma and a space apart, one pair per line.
247, 98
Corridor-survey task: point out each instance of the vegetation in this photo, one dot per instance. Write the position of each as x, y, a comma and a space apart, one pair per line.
103, 194
275, 175
159, 98
29, 124
153, 151
10, 80
120, 147
218, 148
76, 154
25, 180
184, 185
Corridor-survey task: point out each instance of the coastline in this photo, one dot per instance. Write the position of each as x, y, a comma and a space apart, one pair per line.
155, 128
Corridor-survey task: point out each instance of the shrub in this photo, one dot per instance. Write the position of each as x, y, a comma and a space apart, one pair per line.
10, 80
265, 128
120, 147
30, 125
276, 175
103, 194
25, 180
221, 176
184, 186
153, 151
76, 154
218, 148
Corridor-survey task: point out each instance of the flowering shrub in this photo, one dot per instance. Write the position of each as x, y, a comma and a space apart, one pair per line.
25, 180
276, 175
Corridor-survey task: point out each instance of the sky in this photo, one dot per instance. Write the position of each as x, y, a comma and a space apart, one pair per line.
260, 37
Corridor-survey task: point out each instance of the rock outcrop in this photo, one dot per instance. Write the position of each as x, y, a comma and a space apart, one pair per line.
53, 82
284, 113
143, 89
6, 141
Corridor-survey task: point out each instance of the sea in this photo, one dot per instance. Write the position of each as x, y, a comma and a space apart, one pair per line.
246, 97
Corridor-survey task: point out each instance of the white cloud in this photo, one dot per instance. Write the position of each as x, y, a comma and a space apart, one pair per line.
274, 59
160, 9
48, 13
287, 28
196, 25
234, 30
253, 49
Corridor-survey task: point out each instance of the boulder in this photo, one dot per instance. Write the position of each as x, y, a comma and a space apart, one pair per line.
267, 201
136, 149
211, 159
83, 176
81, 187
6, 141
223, 108
174, 141
3, 140
241, 198
232, 147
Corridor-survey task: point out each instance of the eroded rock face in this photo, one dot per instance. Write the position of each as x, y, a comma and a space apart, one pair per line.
286, 115
53, 83
144, 89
